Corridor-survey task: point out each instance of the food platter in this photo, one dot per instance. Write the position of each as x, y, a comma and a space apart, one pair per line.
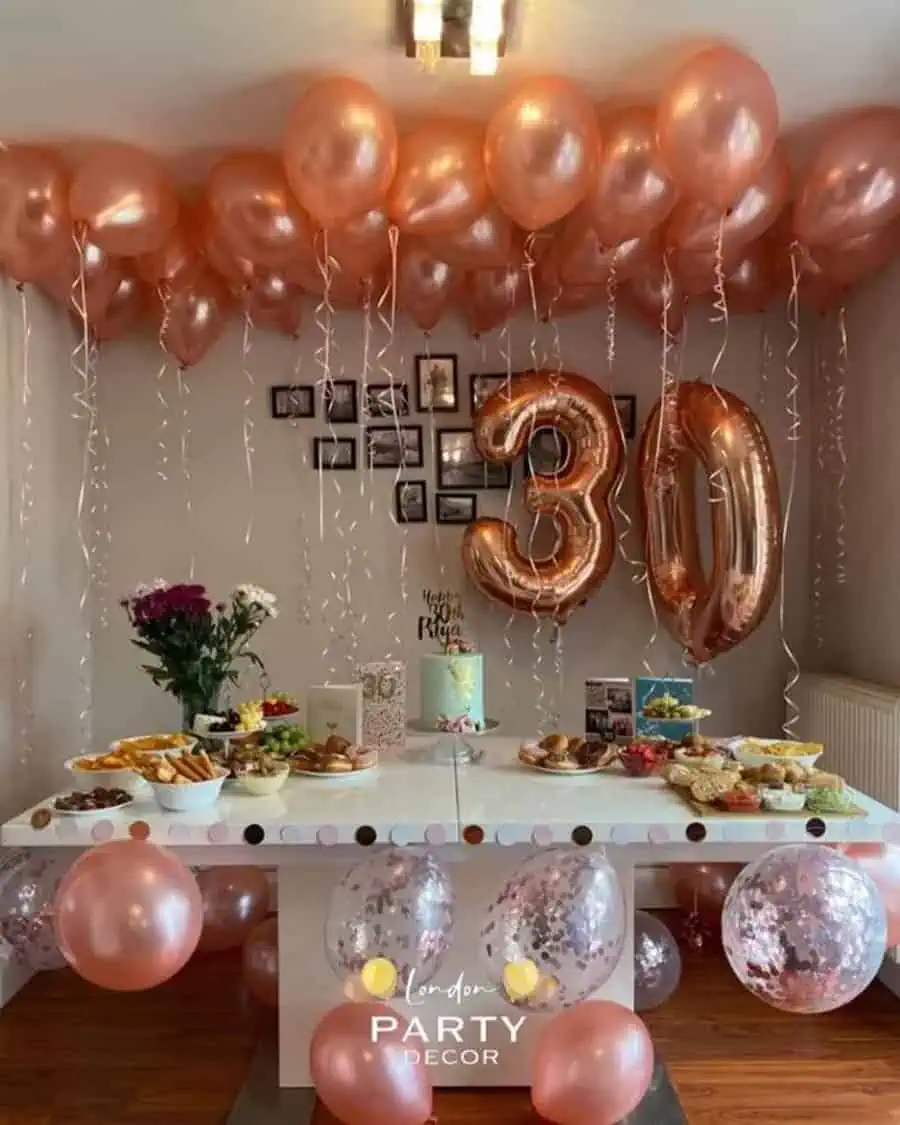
581, 772
333, 775
90, 814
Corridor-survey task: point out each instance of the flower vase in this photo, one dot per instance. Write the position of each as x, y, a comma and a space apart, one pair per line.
192, 706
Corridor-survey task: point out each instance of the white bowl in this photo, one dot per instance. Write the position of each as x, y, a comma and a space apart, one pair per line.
128, 743
782, 800
749, 757
85, 780
191, 796
258, 785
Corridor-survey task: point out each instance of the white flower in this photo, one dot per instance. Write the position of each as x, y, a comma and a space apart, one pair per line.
142, 589
256, 596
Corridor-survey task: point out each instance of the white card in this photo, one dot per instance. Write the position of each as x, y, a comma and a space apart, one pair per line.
334, 709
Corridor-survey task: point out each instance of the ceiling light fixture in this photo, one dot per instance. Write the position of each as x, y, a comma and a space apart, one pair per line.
485, 33
428, 28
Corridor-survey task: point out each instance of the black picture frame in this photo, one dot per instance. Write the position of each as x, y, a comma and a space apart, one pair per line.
547, 454
449, 400
386, 435
626, 405
483, 384
293, 400
465, 477
445, 502
341, 402
420, 512
378, 402
327, 465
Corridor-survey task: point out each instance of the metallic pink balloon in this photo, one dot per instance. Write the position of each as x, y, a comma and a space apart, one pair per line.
235, 900
751, 285
651, 293
493, 296
362, 244
717, 124
274, 303
128, 915
632, 192
124, 311
852, 185
35, 226
85, 280
593, 1065
260, 959
849, 262
194, 317
425, 285
586, 259
489, 242
362, 1070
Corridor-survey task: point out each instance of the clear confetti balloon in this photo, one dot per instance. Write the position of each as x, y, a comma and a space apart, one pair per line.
657, 962
804, 929
28, 883
397, 905
563, 910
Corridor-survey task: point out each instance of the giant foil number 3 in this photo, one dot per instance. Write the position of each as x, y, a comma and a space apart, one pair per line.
577, 499
710, 611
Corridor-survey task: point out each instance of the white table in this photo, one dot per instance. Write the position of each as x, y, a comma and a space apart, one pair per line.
483, 819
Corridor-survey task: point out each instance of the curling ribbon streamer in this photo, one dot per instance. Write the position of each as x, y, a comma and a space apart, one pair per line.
187, 487
792, 407
247, 423
840, 495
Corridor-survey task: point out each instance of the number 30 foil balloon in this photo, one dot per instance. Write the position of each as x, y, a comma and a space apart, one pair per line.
577, 499
708, 614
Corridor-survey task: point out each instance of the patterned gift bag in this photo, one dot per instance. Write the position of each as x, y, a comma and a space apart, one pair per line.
384, 703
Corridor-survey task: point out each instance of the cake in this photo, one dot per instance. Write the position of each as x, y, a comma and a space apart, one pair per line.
451, 685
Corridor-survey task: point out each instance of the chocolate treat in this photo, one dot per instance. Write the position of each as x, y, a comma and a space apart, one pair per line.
98, 798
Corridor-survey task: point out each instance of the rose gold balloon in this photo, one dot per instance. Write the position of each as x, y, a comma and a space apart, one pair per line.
540, 151
696, 271
695, 226
440, 185
128, 915
363, 1071
585, 259
179, 256
125, 198
650, 294
717, 124
815, 289
361, 245
493, 296
194, 316
709, 611
124, 311
593, 1065
274, 303
260, 958
237, 272
253, 213
857, 258
490, 242
89, 268
882, 863
345, 289
425, 286
35, 227
577, 500
701, 888
340, 152
632, 192
556, 297
235, 901
852, 185
750, 286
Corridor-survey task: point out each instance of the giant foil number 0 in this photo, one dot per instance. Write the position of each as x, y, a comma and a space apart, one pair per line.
578, 499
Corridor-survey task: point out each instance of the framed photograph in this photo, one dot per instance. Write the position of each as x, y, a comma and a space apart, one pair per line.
481, 387
386, 400
627, 408
340, 400
334, 453
437, 388
298, 401
548, 452
410, 501
456, 508
394, 447
459, 464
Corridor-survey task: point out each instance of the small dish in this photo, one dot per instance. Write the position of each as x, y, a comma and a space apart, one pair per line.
142, 744
90, 814
783, 800
86, 780
191, 796
706, 760
263, 785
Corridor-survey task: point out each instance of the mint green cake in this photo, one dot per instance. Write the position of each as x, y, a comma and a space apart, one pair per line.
451, 685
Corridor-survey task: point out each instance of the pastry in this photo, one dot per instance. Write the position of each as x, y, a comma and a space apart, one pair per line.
772, 771
336, 745
818, 779
555, 744
707, 787
337, 765
680, 776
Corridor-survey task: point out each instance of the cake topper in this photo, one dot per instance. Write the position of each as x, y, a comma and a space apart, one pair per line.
443, 617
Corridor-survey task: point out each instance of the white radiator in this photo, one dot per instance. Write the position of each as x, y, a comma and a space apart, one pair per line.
859, 726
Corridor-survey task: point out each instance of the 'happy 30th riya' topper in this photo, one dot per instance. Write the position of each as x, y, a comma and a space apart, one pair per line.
442, 620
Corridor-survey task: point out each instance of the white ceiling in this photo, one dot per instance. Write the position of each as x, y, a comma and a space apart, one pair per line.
188, 77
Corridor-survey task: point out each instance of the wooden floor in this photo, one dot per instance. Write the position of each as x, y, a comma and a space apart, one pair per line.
73, 1055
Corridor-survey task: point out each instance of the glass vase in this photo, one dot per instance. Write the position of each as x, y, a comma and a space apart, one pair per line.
194, 705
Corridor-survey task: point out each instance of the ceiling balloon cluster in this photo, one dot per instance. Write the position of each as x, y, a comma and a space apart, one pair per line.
671, 202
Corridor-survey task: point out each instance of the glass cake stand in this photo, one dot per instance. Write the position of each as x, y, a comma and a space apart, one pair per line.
450, 747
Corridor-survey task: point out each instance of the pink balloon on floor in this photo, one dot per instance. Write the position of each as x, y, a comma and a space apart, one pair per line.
261, 962
128, 915
235, 900
881, 862
593, 1065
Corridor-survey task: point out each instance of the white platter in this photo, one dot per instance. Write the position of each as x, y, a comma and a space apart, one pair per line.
491, 726
89, 814
701, 713
230, 735
321, 775
562, 773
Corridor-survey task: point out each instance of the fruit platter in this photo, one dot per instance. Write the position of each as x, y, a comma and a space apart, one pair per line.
278, 706
238, 724
669, 708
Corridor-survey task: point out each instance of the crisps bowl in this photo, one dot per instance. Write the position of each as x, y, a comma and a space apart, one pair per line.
190, 796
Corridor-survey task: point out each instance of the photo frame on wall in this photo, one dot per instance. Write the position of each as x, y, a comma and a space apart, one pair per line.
294, 401
437, 384
334, 454
386, 400
410, 501
627, 408
547, 454
394, 447
460, 465
481, 387
341, 402
456, 507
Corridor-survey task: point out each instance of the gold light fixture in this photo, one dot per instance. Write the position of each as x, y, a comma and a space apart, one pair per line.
477, 30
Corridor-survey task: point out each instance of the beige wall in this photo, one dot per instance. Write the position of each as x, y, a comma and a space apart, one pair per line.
151, 536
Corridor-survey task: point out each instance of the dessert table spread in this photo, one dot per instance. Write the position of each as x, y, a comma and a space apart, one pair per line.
482, 818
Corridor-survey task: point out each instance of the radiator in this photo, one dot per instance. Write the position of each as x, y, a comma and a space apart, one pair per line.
859, 726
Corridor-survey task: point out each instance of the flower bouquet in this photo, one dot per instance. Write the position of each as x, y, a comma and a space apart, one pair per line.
195, 644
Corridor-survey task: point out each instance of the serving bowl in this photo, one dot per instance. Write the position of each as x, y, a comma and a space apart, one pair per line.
263, 785
122, 778
746, 752
191, 796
